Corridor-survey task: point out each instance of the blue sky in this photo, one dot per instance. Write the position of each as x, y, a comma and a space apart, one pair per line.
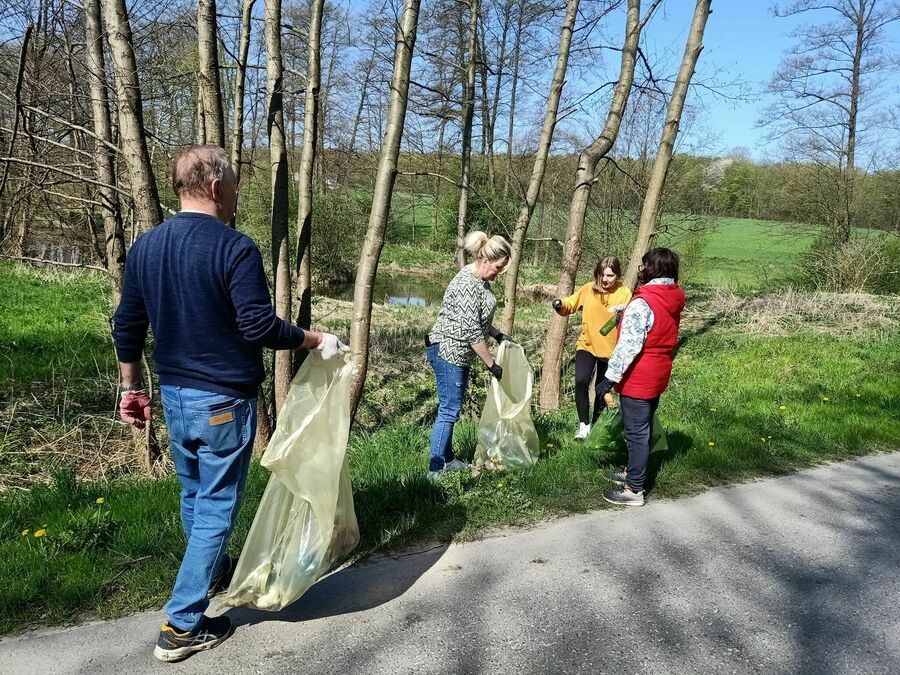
743, 37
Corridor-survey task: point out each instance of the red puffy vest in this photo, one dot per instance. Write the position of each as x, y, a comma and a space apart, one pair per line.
649, 373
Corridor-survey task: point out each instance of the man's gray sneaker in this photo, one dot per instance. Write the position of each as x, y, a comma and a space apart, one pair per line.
619, 478
624, 497
456, 465
173, 645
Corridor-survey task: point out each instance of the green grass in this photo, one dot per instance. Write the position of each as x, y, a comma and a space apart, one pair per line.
57, 390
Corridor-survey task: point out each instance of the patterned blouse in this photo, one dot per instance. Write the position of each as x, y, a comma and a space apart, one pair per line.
465, 317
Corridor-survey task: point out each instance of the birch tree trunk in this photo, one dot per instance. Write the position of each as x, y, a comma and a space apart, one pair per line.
307, 163
651, 205
554, 343
281, 263
106, 171
381, 199
540, 165
237, 126
517, 57
468, 113
210, 87
148, 212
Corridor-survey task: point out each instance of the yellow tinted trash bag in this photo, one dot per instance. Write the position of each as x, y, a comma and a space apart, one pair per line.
507, 438
305, 523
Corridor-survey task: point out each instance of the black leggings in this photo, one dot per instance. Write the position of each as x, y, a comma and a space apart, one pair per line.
584, 373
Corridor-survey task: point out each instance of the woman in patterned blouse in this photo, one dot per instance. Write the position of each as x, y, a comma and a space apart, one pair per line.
465, 319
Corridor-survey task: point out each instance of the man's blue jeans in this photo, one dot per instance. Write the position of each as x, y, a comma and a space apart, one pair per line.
451, 389
211, 436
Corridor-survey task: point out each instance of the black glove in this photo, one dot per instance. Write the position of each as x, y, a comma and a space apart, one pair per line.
557, 305
603, 387
496, 371
500, 337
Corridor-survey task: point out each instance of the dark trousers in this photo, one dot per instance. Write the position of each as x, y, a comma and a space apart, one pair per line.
585, 362
637, 418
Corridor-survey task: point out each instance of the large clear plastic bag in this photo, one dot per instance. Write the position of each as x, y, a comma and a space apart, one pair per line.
305, 523
507, 439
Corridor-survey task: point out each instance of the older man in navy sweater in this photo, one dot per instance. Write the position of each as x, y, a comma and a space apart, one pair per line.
202, 288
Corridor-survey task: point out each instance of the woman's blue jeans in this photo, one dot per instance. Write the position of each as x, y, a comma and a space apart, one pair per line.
451, 389
212, 439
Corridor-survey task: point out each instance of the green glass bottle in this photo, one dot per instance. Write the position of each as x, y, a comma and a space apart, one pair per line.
609, 325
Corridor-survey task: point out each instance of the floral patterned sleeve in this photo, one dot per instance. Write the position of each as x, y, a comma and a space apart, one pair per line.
636, 323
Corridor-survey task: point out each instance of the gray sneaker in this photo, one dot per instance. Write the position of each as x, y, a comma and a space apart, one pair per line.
618, 478
456, 465
624, 497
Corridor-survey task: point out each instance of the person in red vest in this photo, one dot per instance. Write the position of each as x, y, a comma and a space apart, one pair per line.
641, 365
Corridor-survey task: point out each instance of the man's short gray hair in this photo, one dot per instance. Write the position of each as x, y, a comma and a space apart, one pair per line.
196, 166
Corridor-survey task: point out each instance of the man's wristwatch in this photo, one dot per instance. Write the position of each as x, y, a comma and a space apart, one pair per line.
138, 386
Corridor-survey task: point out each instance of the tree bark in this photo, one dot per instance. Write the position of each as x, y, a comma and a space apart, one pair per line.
237, 131
540, 165
307, 164
554, 343
381, 199
468, 113
651, 205
148, 212
281, 263
210, 90
105, 161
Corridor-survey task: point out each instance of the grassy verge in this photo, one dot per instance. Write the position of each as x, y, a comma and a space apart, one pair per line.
740, 406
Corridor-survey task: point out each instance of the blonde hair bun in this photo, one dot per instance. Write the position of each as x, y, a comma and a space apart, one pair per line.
479, 245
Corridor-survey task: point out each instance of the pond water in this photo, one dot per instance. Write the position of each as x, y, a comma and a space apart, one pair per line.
391, 289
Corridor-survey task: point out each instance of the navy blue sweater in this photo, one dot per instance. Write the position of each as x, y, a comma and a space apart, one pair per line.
201, 286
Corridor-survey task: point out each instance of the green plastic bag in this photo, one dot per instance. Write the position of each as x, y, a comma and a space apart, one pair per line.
608, 433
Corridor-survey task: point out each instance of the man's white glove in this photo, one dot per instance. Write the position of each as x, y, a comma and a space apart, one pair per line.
330, 346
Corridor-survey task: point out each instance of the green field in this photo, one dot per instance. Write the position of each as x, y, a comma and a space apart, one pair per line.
764, 383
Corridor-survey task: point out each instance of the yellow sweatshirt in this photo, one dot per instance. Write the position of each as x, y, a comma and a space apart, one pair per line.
594, 313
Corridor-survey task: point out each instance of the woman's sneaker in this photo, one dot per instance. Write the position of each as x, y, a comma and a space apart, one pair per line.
583, 431
624, 497
174, 645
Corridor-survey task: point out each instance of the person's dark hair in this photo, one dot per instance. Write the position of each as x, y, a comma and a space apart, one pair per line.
610, 261
657, 263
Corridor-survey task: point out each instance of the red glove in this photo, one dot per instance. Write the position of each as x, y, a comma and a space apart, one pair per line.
135, 409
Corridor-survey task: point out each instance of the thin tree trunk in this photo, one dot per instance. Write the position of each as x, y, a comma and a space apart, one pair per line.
17, 113
517, 54
210, 93
468, 113
651, 206
106, 168
435, 204
540, 165
237, 137
281, 263
367, 74
148, 212
307, 164
554, 343
131, 115
498, 84
850, 168
385, 176
486, 148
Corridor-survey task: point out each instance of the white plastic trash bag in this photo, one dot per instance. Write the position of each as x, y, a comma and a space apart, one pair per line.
507, 438
305, 523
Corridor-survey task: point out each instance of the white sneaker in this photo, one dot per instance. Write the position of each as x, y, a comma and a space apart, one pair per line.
583, 431
456, 465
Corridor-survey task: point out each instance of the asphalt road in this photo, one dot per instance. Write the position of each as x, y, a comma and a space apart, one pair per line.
797, 574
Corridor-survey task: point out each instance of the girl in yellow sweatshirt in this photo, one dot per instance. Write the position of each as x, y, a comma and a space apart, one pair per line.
597, 301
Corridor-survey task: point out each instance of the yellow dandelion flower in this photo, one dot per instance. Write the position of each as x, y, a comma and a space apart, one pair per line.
858, 395
500, 484
40, 533
713, 409
549, 445
769, 437
100, 500
711, 443
493, 460
782, 407
25, 532
763, 440
825, 398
